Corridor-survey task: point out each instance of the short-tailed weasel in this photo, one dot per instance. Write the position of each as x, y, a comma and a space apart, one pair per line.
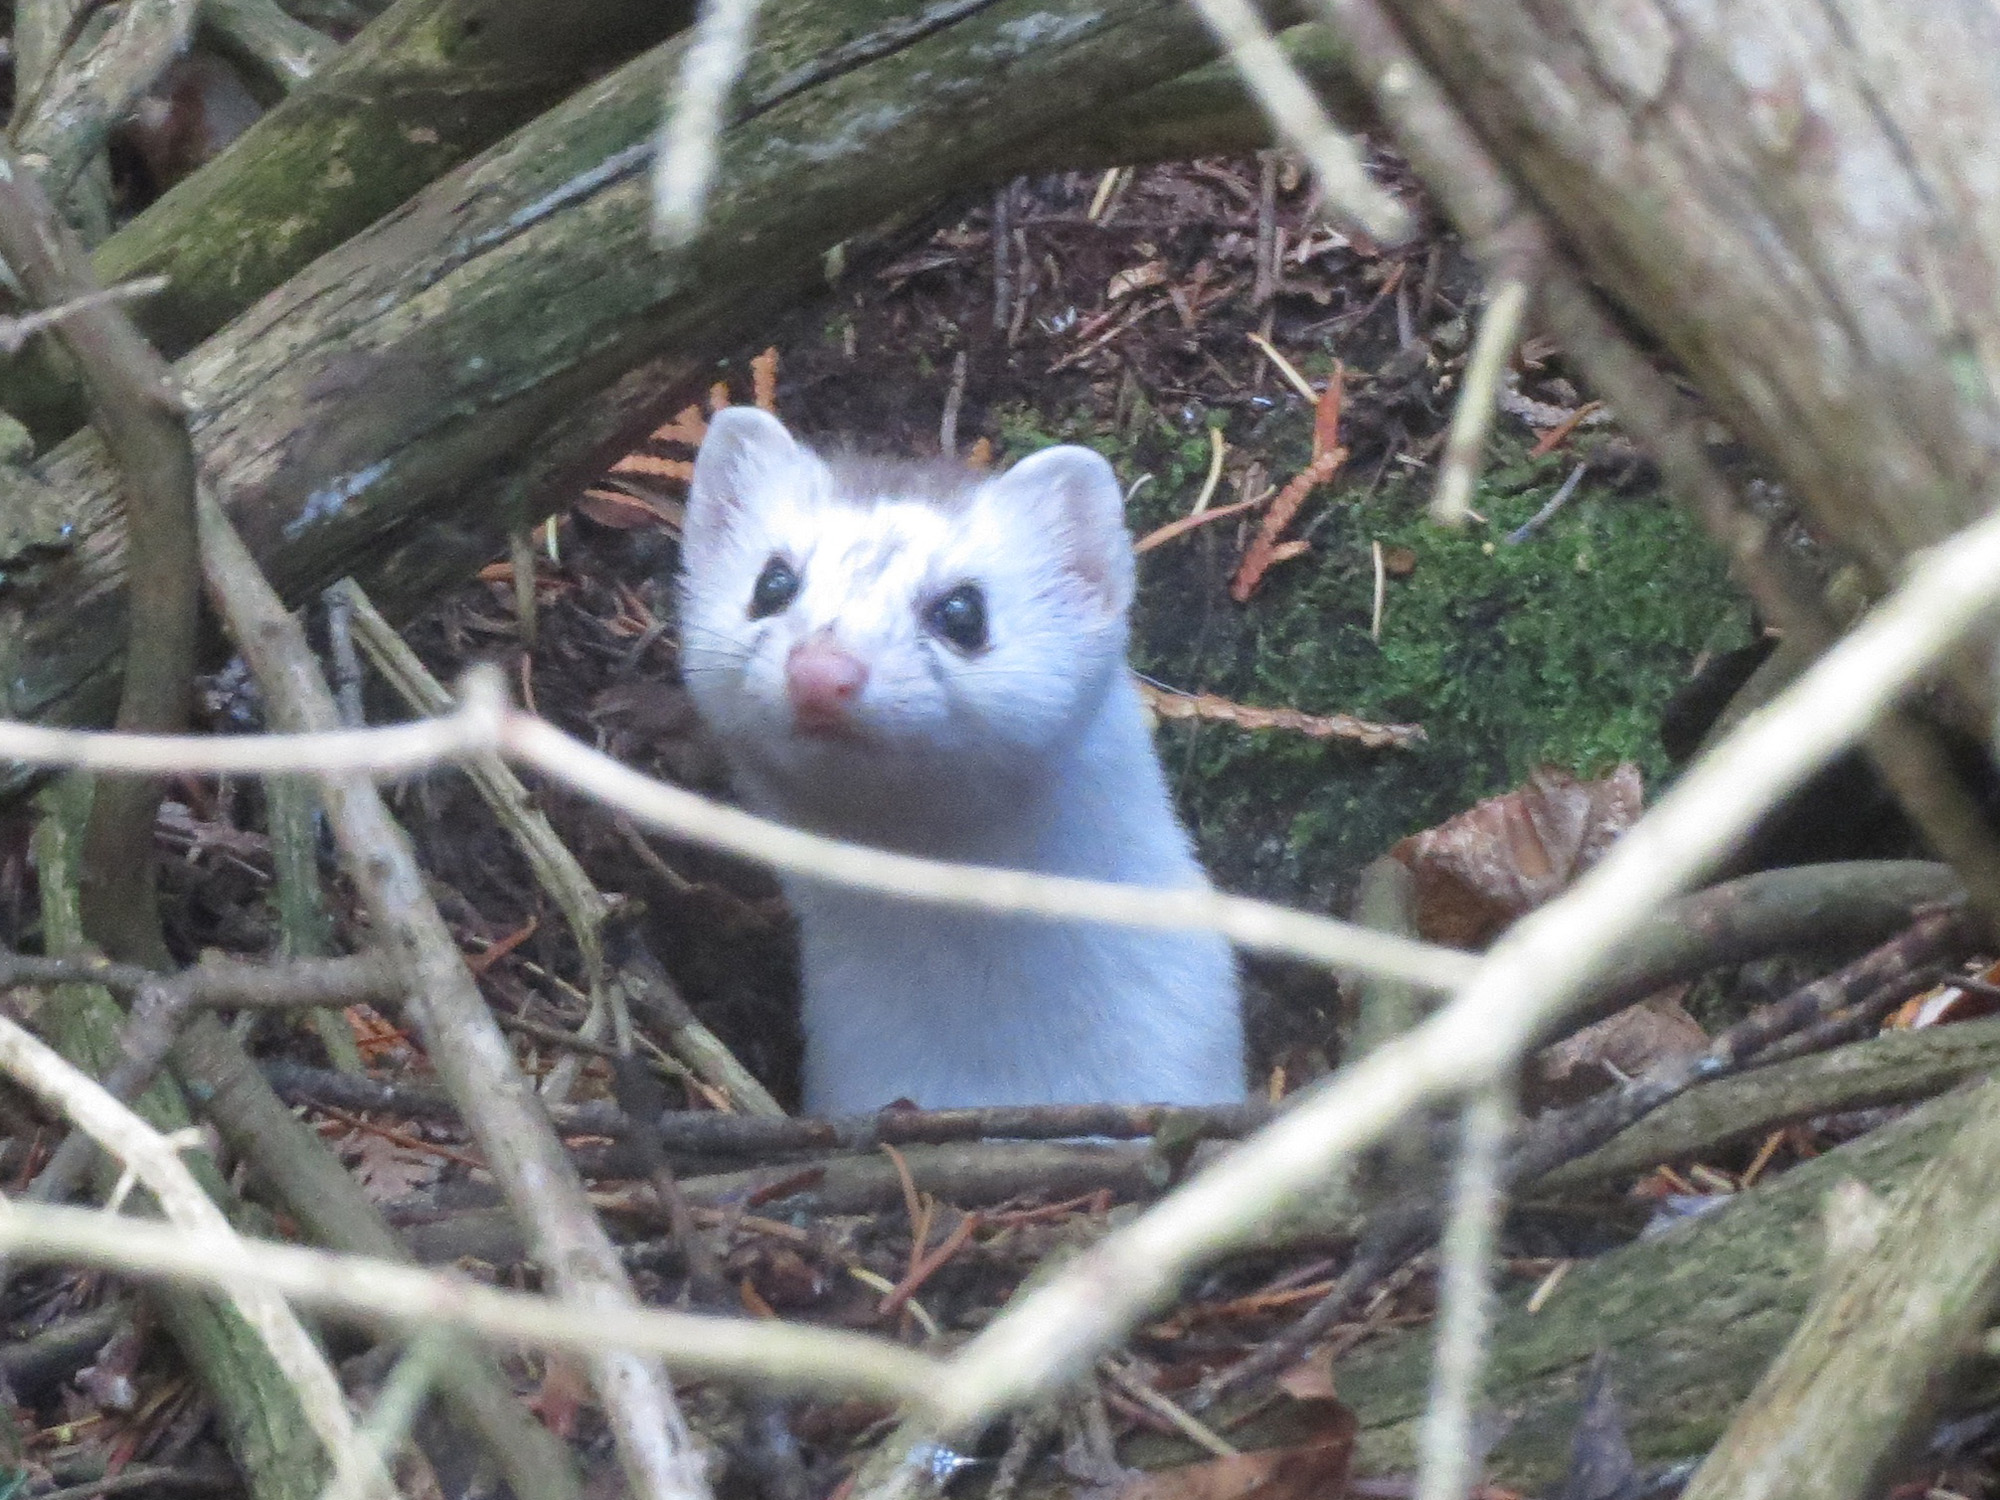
931, 659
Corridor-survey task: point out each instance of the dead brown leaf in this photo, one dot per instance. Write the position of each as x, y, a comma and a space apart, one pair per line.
1316, 1470
1507, 855
388, 1170
1634, 1041
1947, 1003
1172, 705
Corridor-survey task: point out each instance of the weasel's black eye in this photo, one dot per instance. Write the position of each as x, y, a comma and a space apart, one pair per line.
776, 587
960, 617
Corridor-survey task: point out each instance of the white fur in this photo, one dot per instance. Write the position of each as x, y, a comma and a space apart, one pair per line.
1033, 754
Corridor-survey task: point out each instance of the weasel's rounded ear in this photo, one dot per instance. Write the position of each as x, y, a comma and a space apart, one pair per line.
1076, 497
746, 450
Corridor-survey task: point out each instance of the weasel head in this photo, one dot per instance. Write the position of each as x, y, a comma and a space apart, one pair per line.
866, 622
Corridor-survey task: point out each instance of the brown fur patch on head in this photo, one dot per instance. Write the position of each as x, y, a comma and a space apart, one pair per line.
865, 480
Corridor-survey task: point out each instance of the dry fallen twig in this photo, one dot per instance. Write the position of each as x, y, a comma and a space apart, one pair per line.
1168, 704
1472, 418
684, 154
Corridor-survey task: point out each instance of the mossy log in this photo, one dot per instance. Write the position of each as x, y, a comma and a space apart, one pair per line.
1690, 1320
363, 413
425, 87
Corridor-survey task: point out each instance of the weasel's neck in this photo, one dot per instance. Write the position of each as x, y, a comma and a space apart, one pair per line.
952, 1007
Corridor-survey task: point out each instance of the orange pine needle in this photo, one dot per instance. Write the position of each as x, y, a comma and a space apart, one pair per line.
1326, 413
688, 427
764, 380
658, 468
1172, 705
1264, 547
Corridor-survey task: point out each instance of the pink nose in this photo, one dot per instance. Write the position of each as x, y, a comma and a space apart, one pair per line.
823, 679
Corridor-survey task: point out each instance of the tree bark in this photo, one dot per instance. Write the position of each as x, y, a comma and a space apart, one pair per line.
361, 413
1798, 200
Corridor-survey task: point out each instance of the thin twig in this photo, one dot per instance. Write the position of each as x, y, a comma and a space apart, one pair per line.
17, 330
1301, 121
1447, 1445
584, 907
1555, 503
220, 982
954, 396
684, 156
403, 1395
1472, 418
346, 660
1253, 924
393, 750
1003, 269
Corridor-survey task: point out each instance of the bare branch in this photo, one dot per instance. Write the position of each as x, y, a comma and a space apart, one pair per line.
16, 331
481, 724
1449, 1443
374, 1291
1472, 417
1256, 925
394, 751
